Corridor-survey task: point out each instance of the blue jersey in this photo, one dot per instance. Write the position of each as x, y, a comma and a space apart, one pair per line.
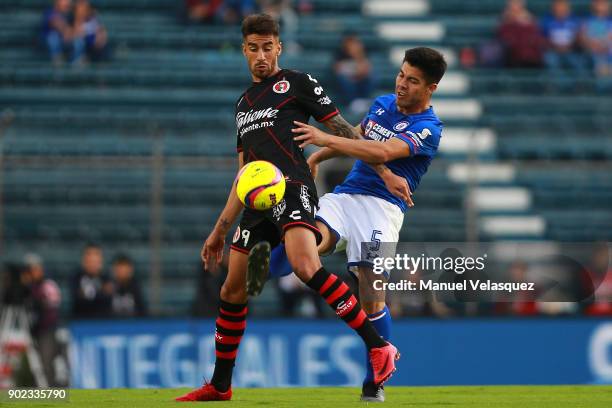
421, 132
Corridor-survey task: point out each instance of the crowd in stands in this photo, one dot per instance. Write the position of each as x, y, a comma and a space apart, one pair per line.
233, 11
93, 293
72, 32
567, 45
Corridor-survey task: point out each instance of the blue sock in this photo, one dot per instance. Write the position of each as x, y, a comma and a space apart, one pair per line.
381, 321
279, 263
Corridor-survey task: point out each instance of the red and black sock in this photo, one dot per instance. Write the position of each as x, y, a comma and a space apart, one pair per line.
338, 295
230, 328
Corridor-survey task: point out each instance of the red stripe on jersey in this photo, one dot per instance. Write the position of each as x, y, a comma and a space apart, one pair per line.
278, 143
231, 325
243, 312
330, 280
358, 321
251, 156
228, 355
246, 96
329, 116
411, 145
242, 250
337, 293
283, 103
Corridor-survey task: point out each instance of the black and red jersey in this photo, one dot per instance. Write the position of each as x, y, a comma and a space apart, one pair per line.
265, 115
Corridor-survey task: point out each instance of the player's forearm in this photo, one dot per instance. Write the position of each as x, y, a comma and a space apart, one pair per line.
369, 151
233, 206
230, 212
325, 153
380, 169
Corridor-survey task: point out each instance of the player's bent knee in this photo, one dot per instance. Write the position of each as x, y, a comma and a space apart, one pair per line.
305, 267
328, 240
233, 293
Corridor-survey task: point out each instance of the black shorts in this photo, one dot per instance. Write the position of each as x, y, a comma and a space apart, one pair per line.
296, 209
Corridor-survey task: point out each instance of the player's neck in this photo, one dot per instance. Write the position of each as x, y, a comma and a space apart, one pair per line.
257, 79
413, 109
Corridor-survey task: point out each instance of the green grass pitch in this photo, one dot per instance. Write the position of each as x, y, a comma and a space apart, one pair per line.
455, 397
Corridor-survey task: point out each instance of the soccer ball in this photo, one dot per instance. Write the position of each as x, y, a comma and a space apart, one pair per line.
260, 185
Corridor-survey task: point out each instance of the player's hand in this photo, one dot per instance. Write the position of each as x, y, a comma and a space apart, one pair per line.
307, 134
313, 164
212, 250
398, 186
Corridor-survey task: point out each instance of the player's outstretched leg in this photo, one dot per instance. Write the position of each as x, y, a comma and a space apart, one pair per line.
373, 303
230, 326
381, 321
302, 254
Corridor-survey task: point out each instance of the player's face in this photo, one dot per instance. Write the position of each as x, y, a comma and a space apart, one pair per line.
262, 52
411, 87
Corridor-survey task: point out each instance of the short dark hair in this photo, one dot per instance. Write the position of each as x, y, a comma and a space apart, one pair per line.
262, 24
122, 259
91, 245
429, 61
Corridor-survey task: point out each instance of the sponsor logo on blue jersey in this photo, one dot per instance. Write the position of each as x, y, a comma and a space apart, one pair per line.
421, 132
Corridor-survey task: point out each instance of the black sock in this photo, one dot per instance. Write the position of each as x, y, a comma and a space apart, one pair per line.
230, 328
340, 298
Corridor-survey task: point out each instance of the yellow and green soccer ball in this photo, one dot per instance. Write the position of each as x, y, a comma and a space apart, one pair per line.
260, 185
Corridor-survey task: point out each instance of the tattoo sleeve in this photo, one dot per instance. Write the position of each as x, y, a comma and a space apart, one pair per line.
340, 127
224, 224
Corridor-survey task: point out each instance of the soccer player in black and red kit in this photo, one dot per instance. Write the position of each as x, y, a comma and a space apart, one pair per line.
264, 118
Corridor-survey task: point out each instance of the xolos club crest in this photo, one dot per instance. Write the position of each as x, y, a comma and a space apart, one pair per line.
281, 86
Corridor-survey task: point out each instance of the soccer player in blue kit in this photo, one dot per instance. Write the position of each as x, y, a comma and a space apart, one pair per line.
400, 130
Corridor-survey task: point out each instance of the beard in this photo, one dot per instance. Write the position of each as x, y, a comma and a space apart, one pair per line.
262, 73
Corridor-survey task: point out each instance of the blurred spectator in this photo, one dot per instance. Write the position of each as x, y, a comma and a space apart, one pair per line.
596, 35
235, 10
600, 270
520, 303
44, 305
560, 30
206, 302
218, 11
287, 16
353, 73
91, 290
127, 296
91, 38
15, 290
202, 11
520, 36
57, 32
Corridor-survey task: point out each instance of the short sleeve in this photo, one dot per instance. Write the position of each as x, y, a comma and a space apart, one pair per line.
423, 139
313, 99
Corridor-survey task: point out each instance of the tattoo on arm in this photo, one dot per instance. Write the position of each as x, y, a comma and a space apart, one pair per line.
342, 128
224, 224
